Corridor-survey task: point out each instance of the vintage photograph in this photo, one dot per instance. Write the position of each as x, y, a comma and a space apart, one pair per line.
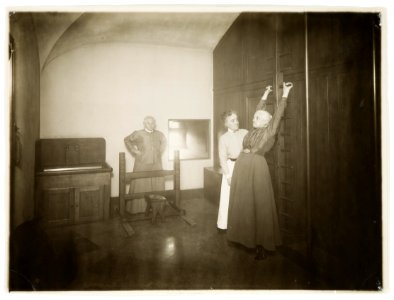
165, 149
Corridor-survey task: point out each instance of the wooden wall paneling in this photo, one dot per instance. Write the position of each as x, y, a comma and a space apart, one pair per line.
259, 56
332, 38
291, 42
25, 115
344, 116
252, 95
230, 99
227, 58
345, 205
271, 43
341, 168
291, 163
320, 159
259, 46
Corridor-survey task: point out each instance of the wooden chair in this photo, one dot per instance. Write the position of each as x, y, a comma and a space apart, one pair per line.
173, 196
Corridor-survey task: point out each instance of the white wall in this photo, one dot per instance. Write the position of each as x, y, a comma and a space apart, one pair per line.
105, 90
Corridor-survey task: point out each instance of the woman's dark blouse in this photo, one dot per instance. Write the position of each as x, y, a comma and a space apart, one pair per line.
260, 140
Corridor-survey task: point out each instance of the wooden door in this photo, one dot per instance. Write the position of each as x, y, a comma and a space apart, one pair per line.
344, 148
259, 56
274, 52
89, 203
291, 146
58, 206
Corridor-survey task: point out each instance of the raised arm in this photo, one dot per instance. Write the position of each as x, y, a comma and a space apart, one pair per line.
275, 121
263, 101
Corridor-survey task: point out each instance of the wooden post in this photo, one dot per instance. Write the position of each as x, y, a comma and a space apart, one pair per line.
177, 179
107, 196
122, 183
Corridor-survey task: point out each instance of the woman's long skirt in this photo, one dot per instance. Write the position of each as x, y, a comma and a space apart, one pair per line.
224, 198
252, 216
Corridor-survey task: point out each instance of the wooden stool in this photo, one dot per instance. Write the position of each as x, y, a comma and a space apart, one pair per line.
157, 203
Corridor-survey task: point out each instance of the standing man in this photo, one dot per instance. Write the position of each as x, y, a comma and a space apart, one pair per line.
146, 146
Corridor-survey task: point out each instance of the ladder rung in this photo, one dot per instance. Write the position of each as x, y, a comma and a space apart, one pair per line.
286, 215
285, 198
287, 231
285, 167
286, 182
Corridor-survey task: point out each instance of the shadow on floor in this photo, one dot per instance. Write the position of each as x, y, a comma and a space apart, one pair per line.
166, 256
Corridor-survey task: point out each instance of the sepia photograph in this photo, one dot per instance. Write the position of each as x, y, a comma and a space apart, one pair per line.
195, 148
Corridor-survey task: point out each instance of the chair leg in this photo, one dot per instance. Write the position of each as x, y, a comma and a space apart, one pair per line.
154, 216
148, 207
161, 213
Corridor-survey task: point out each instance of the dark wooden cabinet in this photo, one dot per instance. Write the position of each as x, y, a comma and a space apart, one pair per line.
273, 50
73, 198
72, 181
326, 163
259, 46
227, 70
70, 205
345, 147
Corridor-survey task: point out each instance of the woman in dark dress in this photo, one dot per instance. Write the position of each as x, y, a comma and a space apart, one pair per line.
252, 216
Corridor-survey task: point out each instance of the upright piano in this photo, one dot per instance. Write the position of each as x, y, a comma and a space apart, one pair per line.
73, 181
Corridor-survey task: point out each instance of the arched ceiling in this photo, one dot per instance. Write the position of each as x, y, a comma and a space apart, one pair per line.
58, 33
49, 27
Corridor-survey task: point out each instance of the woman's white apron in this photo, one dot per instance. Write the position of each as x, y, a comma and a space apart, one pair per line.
224, 198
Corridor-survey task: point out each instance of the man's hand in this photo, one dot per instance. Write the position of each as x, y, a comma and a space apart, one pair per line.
136, 151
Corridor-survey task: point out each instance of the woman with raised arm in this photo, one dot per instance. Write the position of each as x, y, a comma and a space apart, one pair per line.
252, 215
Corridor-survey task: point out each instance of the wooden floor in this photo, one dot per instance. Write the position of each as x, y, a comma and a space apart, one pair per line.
166, 256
